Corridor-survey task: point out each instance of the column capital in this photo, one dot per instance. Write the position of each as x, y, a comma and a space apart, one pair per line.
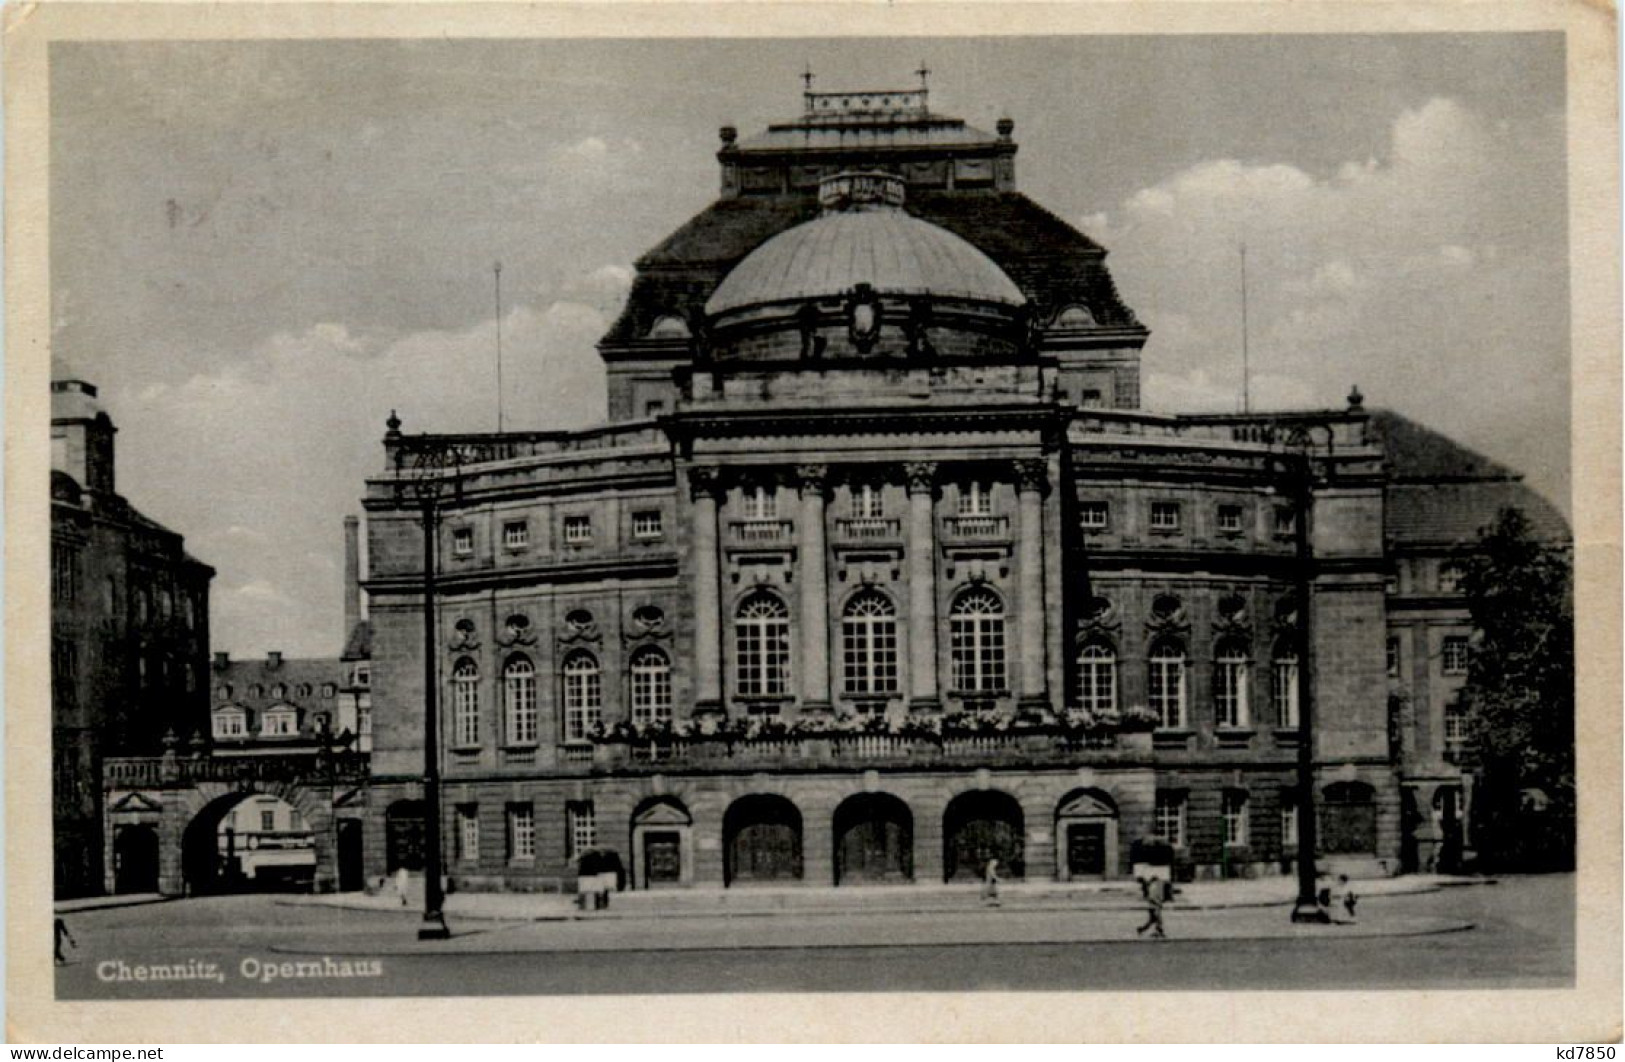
921, 476
1032, 474
703, 482
812, 478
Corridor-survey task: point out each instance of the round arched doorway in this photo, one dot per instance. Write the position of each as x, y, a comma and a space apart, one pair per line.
980, 826
761, 841
874, 840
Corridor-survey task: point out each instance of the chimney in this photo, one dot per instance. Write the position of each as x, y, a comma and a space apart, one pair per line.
352, 575
221, 661
273, 659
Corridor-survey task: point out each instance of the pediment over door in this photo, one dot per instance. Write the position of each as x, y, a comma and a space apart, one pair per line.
663, 814
1084, 806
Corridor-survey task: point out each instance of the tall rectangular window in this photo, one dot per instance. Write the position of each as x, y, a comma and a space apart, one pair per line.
1094, 515
762, 646
1455, 728
761, 503
1454, 654
1235, 818
267, 821
578, 529
1165, 516
1230, 694
1165, 686
647, 524
515, 534
1393, 657
465, 704
1168, 821
468, 833
581, 828
976, 642
976, 499
521, 833
1284, 690
867, 503
462, 541
1229, 519
519, 701
1289, 824
64, 573
1286, 520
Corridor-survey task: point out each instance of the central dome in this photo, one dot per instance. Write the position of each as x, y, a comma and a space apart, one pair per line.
863, 237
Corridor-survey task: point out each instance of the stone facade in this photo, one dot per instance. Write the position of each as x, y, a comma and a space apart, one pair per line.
129, 634
1086, 612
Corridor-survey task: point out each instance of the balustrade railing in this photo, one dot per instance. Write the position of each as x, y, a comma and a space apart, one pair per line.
867, 528
755, 532
134, 772
978, 526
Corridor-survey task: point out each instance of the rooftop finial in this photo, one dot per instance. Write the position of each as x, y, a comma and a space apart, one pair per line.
924, 73
807, 77
1356, 400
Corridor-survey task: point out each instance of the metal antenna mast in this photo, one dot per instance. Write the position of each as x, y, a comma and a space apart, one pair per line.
497, 269
1246, 378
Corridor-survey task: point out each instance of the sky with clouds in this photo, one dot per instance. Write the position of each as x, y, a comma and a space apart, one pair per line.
260, 249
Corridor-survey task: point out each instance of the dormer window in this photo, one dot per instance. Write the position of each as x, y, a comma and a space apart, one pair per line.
230, 724
1229, 520
281, 721
515, 534
462, 541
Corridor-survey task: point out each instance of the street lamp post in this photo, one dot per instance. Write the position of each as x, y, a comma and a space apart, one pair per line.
1296, 466
429, 472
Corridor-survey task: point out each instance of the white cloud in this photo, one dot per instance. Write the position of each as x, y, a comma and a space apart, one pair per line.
299, 423
1392, 272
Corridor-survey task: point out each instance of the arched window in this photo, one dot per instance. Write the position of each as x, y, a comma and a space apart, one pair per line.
465, 703
519, 701
1284, 686
1165, 683
1230, 685
976, 641
651, 686
583, 695
762, 639
869, 644
1097, 678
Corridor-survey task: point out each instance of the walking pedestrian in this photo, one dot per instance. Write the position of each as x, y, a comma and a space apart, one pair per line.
63, 934
1350, 898
1156, 892
990, 883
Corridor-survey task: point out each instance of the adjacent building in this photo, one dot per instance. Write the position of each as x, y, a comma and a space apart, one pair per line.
129, 639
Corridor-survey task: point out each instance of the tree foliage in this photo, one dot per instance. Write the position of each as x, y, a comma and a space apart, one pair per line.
1519, 695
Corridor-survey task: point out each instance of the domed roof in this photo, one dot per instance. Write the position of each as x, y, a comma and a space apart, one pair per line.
864, 237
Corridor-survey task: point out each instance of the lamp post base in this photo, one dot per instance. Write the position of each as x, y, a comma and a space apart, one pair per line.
1311, 913
434, 927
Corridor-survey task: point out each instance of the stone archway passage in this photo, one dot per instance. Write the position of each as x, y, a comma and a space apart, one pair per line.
874, 840
135, 859
761, 841
247, 841
980, 826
